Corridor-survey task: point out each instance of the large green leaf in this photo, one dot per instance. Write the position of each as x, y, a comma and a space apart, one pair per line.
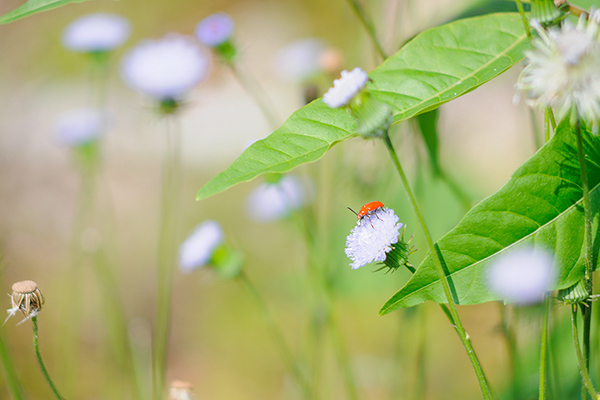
32, 7
540, 206
437, 66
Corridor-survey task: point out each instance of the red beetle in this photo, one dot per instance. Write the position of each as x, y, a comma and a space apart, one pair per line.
367, 208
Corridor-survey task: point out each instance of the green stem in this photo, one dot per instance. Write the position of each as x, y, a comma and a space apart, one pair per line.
585, 376
258, 94
437, 259
278, 336
166, 253
546, 125
524, 19
6, 361
511, 344
586, 312
544, 349
368, 25
36, 346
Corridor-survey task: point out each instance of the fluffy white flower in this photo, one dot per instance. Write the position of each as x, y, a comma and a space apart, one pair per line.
273, 201
96, 32
79, 126
300, 59
564, 69
215, 29
197, 250
165, 69
372, 237
522, 276
345, 88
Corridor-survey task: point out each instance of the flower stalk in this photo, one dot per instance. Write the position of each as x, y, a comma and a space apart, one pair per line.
166, 252
581, 361
437, 258
36, 347
368, 25
544, 349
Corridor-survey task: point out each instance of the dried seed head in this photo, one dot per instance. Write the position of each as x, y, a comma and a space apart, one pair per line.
180, 390
27, 297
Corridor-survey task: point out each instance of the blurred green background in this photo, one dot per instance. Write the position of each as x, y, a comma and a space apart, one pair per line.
218, 339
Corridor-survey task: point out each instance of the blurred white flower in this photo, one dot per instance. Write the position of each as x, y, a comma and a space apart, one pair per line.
180, 390
522, 276
563, 70
300, 59
96, 33
215, 29
79, 126
345, 88
197, 250
372, 237
273, 201
165, 69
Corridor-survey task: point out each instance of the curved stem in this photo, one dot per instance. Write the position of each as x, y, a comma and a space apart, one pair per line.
258, 94
439, 266
585, 376
544, 349
589, 252
36, 347
278, 336
369, 27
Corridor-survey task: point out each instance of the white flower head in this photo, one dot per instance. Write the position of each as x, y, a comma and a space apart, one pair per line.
197, 250
563, 70
345, 88
300, 59
273, 201
96, 33
372, 237
165, 69
215, 29
522, 276
79, 126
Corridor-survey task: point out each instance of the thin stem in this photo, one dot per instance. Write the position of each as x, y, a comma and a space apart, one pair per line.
166, 254
36, 347
544, 348
257, 93
585, 376
368, 25
6, 361
437, 259
524, 19
511, 344
278, 336
586, 312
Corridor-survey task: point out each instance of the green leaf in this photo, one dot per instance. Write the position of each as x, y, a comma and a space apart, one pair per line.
540, 206
33, 7
437, 66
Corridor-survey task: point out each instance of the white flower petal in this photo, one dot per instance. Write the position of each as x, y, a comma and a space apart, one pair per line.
79, 126
272, 201
165, 69
522, 276
197, 250
299, 60
345, 88
215, 29
564, 70
372, 237
96, 32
